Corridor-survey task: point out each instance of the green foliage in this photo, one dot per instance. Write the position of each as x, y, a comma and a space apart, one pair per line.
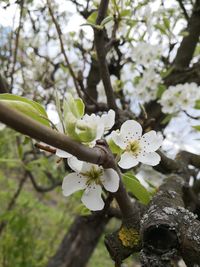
26, 106
197, 127
134, 186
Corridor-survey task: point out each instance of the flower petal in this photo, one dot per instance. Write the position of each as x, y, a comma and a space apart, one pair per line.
108, 120
92, 197
131, 130
119, 140
75, 164
62, 154
73, 182
110, 180
59, 126
150, 141
128, 160
151, 158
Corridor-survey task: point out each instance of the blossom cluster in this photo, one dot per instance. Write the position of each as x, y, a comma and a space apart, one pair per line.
180, 97
146, 87
145, 53
132, 148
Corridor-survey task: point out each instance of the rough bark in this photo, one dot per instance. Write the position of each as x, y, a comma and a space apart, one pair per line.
168, 230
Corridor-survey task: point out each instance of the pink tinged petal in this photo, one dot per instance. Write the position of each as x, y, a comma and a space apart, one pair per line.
92, 197
128, 160
131, 130
75, 164
150, 141
151, 158
62, 154
73, 182
119, 140
110, 180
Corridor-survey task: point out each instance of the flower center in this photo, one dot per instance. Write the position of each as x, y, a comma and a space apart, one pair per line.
93, 175
133, 146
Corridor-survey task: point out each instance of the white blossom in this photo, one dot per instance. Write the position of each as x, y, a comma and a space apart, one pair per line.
90, 178
179, 97
146, 88
145, 54
135, 147
102, 124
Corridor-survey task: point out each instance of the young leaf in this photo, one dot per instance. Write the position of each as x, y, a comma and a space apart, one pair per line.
92, 18
197, 104
28, 107
135, 187
197, 127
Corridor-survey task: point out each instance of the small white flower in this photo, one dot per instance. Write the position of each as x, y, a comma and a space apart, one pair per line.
102, 124
136, 148
91, 178
179, 97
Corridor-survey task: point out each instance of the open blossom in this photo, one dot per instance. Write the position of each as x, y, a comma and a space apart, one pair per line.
135, 146
90, 178
146, 54
101, 124
180, 97
146, 88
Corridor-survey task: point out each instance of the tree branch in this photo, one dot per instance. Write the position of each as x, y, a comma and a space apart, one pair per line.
189, 42
35, 130
99, 36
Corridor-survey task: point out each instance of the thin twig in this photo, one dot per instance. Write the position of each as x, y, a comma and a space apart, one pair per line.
17, 44
59, 32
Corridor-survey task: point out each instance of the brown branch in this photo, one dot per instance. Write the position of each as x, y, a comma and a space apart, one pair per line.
17, 43
100, 154
13, 200
189, 42
42, 189
59, 32
183, 9
35, 130
100, 45
3, 85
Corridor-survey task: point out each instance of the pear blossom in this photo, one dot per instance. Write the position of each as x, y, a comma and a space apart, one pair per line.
101, 125
146, 88
145, 54
90, 178
135, 146
180, 97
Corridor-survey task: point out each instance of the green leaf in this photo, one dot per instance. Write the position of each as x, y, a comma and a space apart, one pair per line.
106, 20
161, 28
160, 91
27, 107
167, 119
125, 13
92, 18
197, 104
166, 23
74, 106
80, 107
197, 127
134, 186
113, 147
